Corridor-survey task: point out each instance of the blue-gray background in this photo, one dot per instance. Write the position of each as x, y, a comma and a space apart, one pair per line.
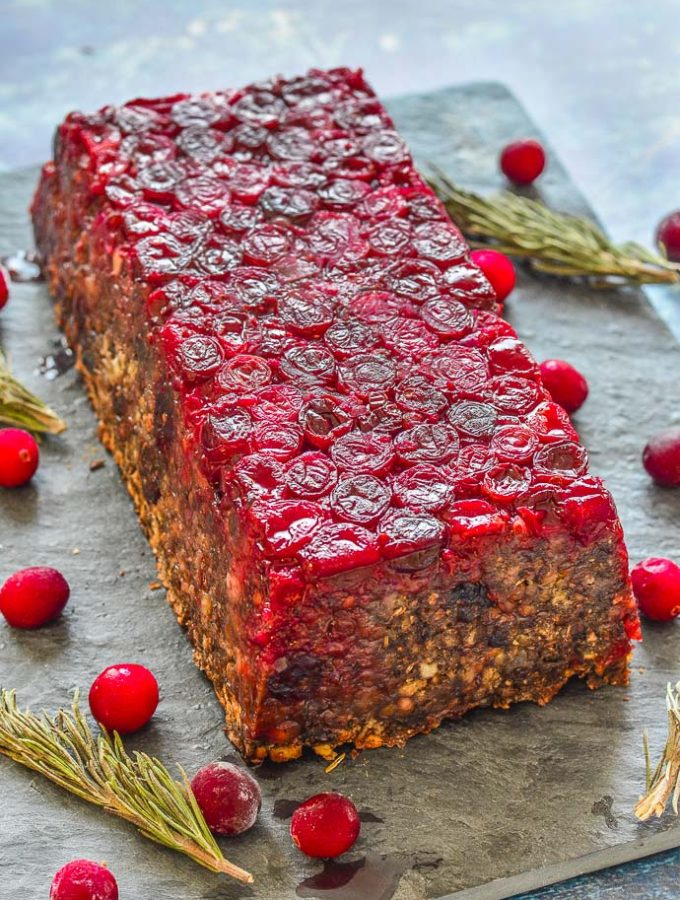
599, 76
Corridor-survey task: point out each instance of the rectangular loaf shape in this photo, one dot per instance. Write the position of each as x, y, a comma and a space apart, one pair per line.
365, 507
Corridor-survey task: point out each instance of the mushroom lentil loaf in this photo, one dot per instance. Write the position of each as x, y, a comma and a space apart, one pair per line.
366, 510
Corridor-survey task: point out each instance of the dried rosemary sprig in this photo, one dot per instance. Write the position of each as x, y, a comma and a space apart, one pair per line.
664, 781
550, 241
19, 407
137, 788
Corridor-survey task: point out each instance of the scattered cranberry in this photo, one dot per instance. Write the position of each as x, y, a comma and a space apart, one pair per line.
229, 797
325, 826
83, 880
32, 597
564, 383
498, 269
656, 584
522, 161
661, 457
667, 236
19, 457
4, 287
124, 697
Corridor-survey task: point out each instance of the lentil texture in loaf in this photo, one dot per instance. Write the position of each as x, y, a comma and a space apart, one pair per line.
366, 509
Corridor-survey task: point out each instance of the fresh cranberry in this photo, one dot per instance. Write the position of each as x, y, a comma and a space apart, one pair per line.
4, 287
564, 383
82, 879
656, 584
661, 457
667, 237
229, 797
124, 697
19, 457
325, 826
522, 161
32, 597
498, 269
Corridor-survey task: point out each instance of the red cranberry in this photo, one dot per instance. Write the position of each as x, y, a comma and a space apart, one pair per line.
661, 457
656, 584
498, 269
4, 287
19, 457
32, 597
82, 879
564, 383
325, 826
667, 237
229, 797
522, 161
123, 698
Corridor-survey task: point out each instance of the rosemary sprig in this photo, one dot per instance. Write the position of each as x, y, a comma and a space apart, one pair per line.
19, 407
552, 242
664, 782
137, 788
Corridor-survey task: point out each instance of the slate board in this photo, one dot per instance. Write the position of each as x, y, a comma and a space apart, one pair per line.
497, 803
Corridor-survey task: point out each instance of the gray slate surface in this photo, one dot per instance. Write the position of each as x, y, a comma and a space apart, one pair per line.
497, 803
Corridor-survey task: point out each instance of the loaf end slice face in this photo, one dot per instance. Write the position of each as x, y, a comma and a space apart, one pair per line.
367, 511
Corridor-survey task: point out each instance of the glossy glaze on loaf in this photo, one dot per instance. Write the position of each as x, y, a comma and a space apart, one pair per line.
366, 509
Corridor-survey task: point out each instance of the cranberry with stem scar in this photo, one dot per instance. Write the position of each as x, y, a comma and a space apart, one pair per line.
124, 697
325, 826
656, 584
82, 879
228, 796
33, 597
19, 457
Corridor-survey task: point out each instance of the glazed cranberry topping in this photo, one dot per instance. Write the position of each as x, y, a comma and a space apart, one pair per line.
423, 487
661, 457
522, 161
19, 457
363, 452
124, 697
360, 498
33, 597
311, 475
565, 384
82, 879
336, 349
229, 797
325, 826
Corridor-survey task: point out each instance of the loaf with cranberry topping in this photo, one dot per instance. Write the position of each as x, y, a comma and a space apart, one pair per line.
366, 509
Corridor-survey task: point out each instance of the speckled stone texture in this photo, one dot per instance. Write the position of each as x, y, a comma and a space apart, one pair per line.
497, 803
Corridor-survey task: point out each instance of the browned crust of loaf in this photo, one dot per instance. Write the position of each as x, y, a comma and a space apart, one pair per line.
441, 649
